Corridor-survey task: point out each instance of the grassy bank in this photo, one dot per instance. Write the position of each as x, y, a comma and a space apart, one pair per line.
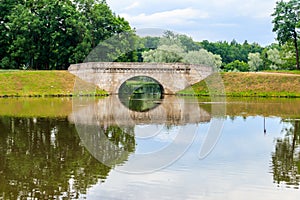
61, 83
249, 85
42, 84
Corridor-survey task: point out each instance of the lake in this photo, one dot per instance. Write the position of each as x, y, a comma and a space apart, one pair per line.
156, 148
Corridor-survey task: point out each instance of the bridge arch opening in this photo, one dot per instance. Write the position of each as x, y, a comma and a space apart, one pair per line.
141, 93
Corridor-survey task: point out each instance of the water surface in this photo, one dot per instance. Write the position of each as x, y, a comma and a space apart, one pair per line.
88, 148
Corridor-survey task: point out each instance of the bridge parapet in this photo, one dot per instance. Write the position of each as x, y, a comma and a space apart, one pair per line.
126, 67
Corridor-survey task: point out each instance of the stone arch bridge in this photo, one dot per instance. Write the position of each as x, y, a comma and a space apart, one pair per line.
109, 76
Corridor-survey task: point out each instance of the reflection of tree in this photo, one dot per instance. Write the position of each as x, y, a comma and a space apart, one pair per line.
110, 145
43, 158
286, 158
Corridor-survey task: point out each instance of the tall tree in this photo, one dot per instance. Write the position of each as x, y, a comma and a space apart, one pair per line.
286, 24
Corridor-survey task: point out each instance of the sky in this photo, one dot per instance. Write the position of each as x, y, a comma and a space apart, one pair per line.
213, 20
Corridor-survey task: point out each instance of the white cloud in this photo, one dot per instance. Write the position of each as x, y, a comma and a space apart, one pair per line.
132, 6
223, 25
214, 19
172, 17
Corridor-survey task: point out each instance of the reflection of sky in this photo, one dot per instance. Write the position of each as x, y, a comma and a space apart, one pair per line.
238, 168
153, 138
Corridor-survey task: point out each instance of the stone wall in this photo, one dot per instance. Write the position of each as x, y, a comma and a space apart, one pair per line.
110, 76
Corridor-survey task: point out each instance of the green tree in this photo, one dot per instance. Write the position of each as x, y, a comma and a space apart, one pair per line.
188, 43
150, 42
254, 61
286, 21
231, 51
51, 34
102, 23
5, 8
43, 33
122, 47
203, 57
237, 66
169, 38
173, 47
165, 53
275, 59
288, 55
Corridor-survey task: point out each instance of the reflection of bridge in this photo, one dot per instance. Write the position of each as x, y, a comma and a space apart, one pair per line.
110, 76
110, 111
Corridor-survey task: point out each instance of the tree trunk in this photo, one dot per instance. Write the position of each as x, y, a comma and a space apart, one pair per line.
297, 51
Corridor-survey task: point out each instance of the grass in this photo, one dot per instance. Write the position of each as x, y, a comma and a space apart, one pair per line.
247, 85
284, 71
43, 84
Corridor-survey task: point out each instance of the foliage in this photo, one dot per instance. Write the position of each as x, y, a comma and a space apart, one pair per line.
150, 42
237, 66
203, 57
276, 62
254, 61
184, 41
286, 23
51, 34
188, 43
180, 48
233, 56
232, 51
169, 38
164, 53
288, 55
121, 47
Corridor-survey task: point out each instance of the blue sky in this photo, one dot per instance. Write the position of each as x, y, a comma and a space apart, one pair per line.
213, 20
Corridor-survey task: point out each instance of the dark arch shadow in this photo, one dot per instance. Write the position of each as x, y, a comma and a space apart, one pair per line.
141, 93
